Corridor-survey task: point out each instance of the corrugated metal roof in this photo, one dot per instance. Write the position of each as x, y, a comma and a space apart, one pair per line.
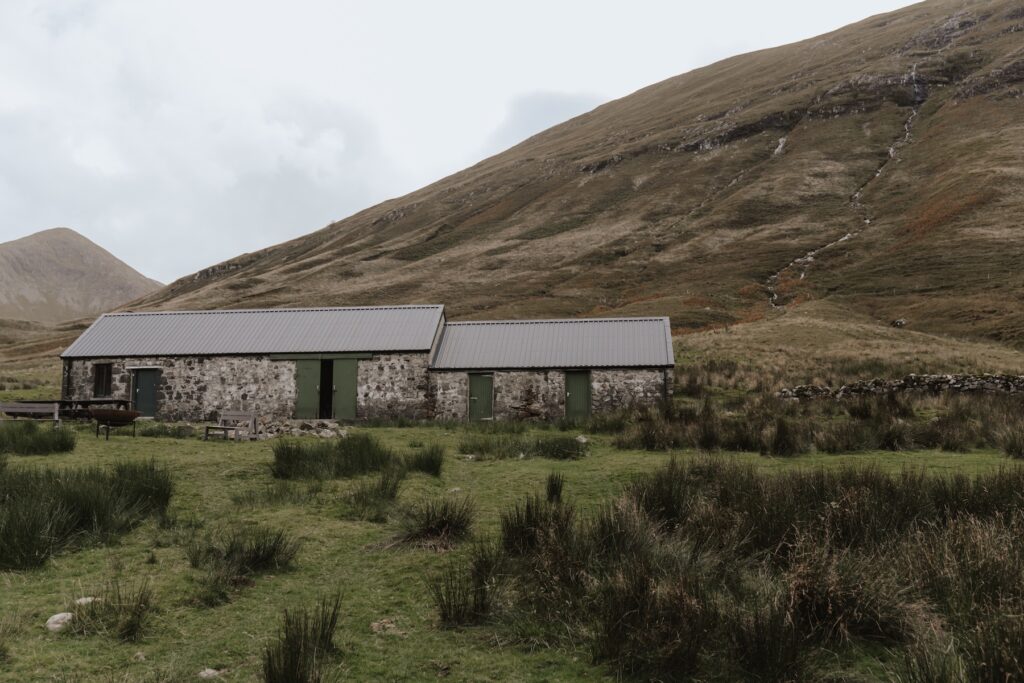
580, 343
283, 330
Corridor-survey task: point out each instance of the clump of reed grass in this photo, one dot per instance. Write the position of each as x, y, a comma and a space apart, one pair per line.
502, 446
428, 460
371, 499
330, 458
1011, 440
438, 521
304, 644
528, 523
553, 487
27, 437
230, 556
43, 512
120, 609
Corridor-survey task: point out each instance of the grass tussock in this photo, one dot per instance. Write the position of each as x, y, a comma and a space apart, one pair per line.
304, 644
44, 512
121, 609
27, 437
554, 485
438, 522
330, 458
230, 557
428, 460
504, 446
7, 630
711, 568
372, 498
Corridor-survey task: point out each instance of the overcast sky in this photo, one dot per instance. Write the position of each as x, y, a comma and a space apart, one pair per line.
181, 133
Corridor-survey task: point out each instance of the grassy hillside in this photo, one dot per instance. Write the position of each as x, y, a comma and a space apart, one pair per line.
702, 196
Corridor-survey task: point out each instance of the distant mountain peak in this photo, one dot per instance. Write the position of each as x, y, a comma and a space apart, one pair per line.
59, 274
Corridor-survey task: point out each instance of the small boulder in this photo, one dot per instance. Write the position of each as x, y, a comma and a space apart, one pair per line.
86, 600
582, 439
208, 673
59, 622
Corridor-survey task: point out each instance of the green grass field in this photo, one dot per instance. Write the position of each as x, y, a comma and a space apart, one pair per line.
378, 583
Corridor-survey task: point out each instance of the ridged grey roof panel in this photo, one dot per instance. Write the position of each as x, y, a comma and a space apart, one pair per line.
580, 343
306, 330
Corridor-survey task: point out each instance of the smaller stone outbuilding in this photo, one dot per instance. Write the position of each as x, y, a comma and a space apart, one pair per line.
549, 369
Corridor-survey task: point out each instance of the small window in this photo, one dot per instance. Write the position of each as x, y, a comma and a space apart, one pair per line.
102, 380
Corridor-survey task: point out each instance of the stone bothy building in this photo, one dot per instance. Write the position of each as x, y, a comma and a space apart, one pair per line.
367, 362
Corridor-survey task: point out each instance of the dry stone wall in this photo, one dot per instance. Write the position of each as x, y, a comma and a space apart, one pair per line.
920, 383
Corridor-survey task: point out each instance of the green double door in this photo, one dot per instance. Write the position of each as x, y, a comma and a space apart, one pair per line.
326, 388
577, 394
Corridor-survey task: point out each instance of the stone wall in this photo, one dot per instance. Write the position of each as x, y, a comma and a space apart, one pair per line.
448, 396
388, 386
613, 390
198, 388
393, 385
526, 395
921, 383
529, 394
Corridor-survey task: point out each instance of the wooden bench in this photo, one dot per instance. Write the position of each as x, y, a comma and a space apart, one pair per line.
47, 412
236, 422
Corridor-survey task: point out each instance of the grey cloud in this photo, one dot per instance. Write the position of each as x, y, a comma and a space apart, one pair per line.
531, 113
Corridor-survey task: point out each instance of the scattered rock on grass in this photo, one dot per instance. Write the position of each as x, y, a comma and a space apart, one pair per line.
59, 622
209, 673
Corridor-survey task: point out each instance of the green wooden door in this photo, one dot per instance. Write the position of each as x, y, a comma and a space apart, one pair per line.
481, 397
307, 388
577, 394
345, 374
146, 382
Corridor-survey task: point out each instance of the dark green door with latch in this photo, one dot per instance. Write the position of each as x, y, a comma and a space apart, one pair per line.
345, 382
146, 383
307, 388
577, 394
481, 397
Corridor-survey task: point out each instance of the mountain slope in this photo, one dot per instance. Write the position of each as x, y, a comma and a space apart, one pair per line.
879, 166
58, 275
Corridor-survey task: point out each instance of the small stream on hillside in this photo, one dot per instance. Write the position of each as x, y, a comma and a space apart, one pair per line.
863, 212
